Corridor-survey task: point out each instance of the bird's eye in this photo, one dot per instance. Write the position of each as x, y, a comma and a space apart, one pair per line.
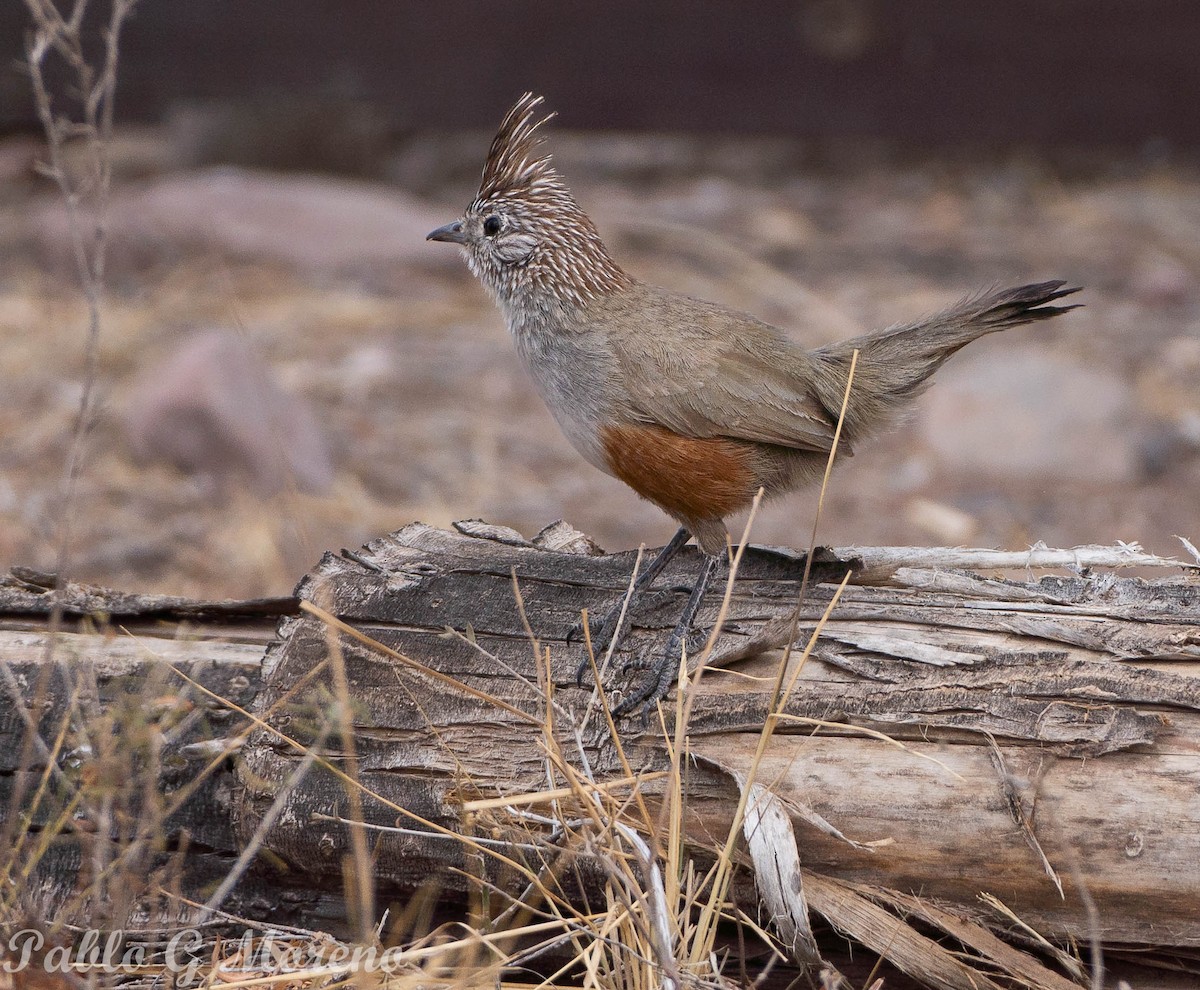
491, 226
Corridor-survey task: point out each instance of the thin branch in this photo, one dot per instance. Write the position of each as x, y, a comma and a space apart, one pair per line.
89, 192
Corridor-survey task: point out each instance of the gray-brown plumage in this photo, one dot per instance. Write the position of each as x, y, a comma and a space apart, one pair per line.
695, 406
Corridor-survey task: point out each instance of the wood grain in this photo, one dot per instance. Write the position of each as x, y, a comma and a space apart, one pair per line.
970, 731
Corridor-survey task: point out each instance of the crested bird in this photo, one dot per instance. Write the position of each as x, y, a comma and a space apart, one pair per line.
695, 406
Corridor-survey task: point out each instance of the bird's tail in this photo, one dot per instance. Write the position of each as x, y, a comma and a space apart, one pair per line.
894, 365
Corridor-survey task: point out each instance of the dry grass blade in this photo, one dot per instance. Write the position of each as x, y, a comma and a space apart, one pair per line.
688, 691
1018, 965
865, 731
837, 436
250, 851
598, 672
636, 891
362, 878
20, 824
1064, 959
721, 876
337, 771
893, 938
791, 911
606, 709
559, 793
1016, 808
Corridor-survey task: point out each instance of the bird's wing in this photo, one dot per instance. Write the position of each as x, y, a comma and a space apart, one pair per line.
719, 373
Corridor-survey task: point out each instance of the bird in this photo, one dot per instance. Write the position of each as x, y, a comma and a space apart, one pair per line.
693, 405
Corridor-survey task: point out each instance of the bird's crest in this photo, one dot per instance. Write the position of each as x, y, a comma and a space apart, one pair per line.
512, 161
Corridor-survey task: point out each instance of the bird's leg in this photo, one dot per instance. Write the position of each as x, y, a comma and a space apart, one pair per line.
606, 630
662, 671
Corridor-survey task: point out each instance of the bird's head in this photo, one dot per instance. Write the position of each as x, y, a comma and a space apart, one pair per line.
524, 234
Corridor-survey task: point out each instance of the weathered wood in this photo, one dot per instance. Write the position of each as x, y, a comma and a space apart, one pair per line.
1047, 721
113, 668
27, 592
1086, 689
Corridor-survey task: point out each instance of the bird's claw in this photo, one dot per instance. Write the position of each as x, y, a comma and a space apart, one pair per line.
575, 633
600, 634
661, 673
607, 630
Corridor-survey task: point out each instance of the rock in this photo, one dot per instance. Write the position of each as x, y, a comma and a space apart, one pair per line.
315, 224
944, 523
1030, 413
213, 408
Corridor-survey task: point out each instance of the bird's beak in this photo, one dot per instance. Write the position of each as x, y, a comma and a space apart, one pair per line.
452, 232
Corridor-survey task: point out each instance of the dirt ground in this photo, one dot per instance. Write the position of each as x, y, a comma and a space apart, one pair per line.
1084, 430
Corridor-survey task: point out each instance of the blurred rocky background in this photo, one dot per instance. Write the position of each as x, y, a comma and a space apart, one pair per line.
287, 367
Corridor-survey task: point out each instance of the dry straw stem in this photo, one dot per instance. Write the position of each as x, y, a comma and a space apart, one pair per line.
641, 901
469, 843
343, 627
845, 728
464, 949
723, 869
62, 37
772, 846
362, 880
569, 919
260, 723
107, 798
801, 933
10, 885
627, 946
673, 884
606, 708
437, 964
598, 674
632, 942
250, 851
646, 889
1017, 809
833, 447
559, 793
1064, 959
883, 920
57, 37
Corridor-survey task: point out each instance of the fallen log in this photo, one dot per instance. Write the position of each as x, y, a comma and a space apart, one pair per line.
951, 736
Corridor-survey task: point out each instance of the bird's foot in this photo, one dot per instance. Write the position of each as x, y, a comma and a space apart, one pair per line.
608, 630
660, 670
594, 626
603, 631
